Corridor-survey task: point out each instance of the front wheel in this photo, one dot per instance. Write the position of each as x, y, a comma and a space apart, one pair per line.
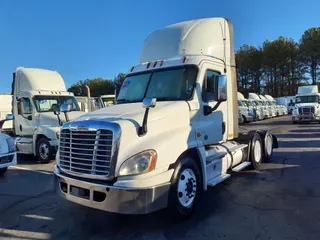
44, 150
185, 188
3, 170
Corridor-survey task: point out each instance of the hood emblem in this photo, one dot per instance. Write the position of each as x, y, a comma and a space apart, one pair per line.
82, 128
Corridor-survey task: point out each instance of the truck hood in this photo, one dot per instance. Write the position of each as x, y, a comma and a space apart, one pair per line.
133, 113
48, 119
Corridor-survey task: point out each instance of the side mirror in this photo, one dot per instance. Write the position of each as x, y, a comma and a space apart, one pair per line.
29, 117
10, 117
149, 102
55, 109
65, 108
222, 88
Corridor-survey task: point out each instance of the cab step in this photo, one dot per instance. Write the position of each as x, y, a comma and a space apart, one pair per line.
217, 180
241, 166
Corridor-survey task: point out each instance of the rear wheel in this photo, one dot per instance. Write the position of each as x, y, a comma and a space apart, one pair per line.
267, 144
3, 170
44, 151
256, 152
185, 188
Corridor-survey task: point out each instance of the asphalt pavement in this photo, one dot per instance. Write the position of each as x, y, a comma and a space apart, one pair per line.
281, 201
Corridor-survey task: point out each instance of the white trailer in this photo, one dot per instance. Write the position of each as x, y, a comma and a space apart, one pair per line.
37, 94
172, 134
5, 109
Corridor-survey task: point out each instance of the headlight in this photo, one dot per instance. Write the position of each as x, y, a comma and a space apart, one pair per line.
140, 163
58, 135
11, 144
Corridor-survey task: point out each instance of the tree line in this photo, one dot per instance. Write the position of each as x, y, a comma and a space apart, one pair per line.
98, 86
277, 68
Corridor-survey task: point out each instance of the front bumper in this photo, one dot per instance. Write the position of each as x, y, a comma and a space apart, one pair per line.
306, 117
8, 159
109, 198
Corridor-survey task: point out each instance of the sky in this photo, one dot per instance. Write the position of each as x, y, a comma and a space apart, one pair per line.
99, 38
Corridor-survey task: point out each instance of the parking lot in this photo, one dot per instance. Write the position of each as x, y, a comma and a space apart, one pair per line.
279, 202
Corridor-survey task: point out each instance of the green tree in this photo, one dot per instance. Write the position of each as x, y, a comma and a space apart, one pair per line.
310, 52
119, 80
98, 87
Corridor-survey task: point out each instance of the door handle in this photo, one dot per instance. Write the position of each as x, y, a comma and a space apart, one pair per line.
20, 127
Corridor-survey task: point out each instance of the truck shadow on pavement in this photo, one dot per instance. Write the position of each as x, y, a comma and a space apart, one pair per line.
42, 215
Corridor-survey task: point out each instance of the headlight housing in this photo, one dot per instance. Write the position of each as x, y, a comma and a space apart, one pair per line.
11, 144
140, 163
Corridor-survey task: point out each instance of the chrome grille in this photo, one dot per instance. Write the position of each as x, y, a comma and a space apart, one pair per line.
86, 152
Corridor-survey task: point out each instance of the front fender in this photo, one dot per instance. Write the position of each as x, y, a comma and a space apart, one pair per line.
48, 132
169, 144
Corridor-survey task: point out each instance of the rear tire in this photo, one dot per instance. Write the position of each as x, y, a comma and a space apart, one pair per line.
44, 151
186, 186
256, 152
3, 170
267, 144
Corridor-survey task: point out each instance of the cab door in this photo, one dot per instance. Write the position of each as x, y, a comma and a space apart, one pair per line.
24, 116
211, 127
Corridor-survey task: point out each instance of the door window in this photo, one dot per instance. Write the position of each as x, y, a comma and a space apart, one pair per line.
25, 107
210, 86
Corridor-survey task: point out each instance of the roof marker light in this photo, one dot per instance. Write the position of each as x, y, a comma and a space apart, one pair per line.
148, 65
131, 69
161, 63
155, 64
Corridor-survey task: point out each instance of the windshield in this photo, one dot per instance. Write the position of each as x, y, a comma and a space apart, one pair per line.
165, 85
46, 103
307, 99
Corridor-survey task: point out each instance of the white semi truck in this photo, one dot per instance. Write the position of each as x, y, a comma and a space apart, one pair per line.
307, 105
172, 134
259, 102
248, 113
269, 106
274, 105
37, 93
8, 155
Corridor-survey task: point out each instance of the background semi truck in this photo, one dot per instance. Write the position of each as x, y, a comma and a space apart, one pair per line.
8, 156
248, 113
172, 134
306, 106
37, 93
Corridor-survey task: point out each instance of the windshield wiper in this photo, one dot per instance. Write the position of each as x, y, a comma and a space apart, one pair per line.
166, 99
123, 100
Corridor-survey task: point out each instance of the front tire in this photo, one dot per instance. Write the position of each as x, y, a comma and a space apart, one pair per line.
186, 185
3, 170
44, 150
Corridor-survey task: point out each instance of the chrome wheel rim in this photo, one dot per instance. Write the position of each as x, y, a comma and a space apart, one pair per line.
187, 187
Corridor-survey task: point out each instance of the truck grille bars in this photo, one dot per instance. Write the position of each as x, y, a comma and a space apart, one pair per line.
86, 152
